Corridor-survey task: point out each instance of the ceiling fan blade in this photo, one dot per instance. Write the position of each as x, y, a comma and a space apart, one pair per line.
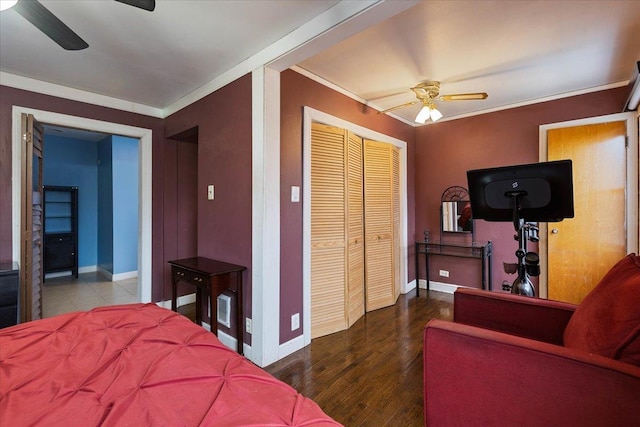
149, 5
34, 12
398, 107
463, 97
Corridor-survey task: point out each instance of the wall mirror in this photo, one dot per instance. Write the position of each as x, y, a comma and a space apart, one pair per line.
455, 211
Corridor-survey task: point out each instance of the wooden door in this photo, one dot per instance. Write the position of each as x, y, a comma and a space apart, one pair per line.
582, 249
328, 231
355, 228
378, 219
397, 238
31, 265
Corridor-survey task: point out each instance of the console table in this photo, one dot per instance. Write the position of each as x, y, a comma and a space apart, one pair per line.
481, 252
212, 276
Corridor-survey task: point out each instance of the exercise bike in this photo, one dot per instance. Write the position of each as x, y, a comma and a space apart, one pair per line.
528, 261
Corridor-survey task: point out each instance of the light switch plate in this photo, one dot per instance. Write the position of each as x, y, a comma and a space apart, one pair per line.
210, 192
295, 193
295, 321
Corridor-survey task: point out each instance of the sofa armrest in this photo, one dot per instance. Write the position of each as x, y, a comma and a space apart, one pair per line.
474, 376
538, 319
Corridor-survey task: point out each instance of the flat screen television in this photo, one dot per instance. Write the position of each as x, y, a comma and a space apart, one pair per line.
544, 192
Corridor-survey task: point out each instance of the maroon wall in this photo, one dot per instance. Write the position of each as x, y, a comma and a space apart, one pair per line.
181, 200
223, 122
298, 91
187, 199
10, 97
446, 150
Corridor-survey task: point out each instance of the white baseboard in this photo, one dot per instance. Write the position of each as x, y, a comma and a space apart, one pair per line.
291, 346
183, 300
409, 287
59, 274
124, 276
224, 338
88, 269
81, 270
230, 341
118, 276
448, 288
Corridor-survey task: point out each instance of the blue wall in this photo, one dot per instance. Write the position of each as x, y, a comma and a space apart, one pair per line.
125, 204
105, 206
72, 162
106, 174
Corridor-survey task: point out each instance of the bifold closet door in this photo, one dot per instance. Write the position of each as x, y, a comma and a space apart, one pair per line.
380, 266
355, 228
395, 204
337, 240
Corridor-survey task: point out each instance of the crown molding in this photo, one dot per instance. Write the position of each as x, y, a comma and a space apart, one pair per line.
355, 97
52, 89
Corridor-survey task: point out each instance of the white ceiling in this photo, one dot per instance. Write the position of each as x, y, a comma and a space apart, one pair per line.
151, 58
517, 51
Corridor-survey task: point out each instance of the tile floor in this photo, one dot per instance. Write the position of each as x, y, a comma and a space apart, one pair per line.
66, 294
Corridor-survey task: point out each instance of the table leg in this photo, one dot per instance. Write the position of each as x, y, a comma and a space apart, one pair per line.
417, 255
489, 272
426, 263
174, 293
198, 305
213, 303
484, 283
239, 314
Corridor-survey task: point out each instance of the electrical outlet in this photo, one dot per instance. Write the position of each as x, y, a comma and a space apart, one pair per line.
444, 273
248, 325
295, 321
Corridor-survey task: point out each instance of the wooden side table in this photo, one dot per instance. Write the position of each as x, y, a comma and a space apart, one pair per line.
208, 274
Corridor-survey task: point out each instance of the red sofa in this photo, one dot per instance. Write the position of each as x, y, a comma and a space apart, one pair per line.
510, 360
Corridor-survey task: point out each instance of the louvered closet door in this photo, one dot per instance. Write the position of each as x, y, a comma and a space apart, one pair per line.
395, 200
378, 219
31, 220
328, 224
355, 229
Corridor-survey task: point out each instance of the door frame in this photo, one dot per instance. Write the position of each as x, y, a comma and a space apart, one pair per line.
311, 115
631, 213
144, 180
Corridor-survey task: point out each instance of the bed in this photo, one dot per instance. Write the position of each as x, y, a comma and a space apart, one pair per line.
137, 365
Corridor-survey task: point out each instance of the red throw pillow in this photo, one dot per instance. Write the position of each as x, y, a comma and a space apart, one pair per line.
607, 322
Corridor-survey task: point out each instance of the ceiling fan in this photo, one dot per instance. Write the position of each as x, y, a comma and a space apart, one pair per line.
34, 12
427, 93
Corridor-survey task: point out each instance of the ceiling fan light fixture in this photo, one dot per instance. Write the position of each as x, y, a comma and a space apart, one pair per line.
428, 92
428, 111
423, 115
7, 4
435, 114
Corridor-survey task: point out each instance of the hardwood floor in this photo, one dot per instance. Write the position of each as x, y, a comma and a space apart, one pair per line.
371, 374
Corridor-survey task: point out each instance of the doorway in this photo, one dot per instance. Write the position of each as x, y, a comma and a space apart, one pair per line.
95, 237
312, 115
355, 236
144, 181
605, 171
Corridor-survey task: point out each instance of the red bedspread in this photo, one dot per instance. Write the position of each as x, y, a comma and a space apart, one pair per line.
137, 365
